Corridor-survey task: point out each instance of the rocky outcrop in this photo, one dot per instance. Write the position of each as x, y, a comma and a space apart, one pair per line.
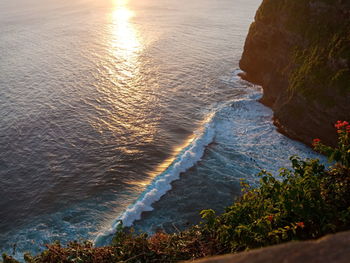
332, 248
299, 52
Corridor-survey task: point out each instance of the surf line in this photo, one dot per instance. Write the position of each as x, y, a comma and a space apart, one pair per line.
187, 158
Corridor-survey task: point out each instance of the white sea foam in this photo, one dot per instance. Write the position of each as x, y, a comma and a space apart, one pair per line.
186, 159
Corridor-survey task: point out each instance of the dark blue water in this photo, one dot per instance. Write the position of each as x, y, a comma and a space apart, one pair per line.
105, 104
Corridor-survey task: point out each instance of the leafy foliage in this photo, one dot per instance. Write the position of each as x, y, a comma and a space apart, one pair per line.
341, 154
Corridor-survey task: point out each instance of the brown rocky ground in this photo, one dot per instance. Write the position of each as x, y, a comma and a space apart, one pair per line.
330, 249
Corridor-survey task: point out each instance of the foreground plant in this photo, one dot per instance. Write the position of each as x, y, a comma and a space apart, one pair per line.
340, 154
305, 202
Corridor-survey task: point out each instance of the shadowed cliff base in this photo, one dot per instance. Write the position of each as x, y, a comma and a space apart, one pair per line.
299, 52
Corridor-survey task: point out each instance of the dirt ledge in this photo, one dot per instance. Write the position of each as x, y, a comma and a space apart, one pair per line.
329, 249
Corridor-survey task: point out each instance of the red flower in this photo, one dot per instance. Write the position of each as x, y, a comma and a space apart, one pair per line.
300, 224
348, 128
315, 142
270, 218
340, 124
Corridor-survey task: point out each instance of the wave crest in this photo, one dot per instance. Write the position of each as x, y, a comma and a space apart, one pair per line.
186, 159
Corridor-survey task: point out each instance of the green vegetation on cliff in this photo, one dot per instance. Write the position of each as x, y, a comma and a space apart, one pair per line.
306, 202
299, 52
321, 55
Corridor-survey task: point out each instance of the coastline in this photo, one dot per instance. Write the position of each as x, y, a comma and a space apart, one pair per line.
240, 137
279, 126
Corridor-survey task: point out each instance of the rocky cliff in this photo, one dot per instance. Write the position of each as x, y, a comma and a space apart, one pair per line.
299, 52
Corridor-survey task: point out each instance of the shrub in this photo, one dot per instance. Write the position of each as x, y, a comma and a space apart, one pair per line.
341, 154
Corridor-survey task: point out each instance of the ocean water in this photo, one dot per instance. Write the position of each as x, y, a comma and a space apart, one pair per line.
131, 110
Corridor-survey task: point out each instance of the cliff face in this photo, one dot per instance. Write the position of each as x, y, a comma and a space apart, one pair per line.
299, 52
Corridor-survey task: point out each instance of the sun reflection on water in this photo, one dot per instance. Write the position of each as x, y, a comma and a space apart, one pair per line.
125, 44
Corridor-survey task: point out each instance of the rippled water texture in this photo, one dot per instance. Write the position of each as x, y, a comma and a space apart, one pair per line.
98, 98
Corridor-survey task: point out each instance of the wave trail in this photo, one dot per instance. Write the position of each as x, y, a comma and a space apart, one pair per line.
186, 159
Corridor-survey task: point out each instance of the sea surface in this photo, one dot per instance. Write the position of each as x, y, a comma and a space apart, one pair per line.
125, 110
